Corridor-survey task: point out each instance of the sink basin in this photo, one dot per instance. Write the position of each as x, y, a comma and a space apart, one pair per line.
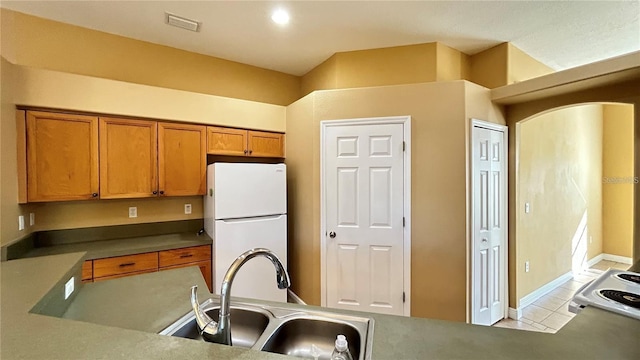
285, 330
312, 338
247, 325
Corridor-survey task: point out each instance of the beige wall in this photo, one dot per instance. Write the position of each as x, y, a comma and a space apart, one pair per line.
504, 64
560, 176
56, 46
618, 180
523, 67
439, 202
9, 208
398, 65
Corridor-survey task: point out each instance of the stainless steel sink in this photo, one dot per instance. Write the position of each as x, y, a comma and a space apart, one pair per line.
312, 338
305, 334
246, 328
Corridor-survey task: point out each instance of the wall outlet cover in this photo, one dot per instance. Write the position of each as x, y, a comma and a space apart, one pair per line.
20, 222
32, 219
133, 212
526, 266
187, 209
69, 287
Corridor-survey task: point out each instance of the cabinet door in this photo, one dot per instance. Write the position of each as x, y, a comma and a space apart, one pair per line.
128, 158
182, 159
225, 141
266, 144
62, 157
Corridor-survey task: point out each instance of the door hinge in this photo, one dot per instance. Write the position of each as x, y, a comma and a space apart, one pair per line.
403, 221
403, 297
404, 146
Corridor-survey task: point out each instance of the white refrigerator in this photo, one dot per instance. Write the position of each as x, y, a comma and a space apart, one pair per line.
246, 207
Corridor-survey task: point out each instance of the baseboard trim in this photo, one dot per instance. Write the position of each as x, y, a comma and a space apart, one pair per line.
544, 290
515, 314
595, 260
617, 258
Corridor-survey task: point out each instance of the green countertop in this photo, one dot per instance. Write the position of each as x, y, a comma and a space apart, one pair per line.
127, 246
119, 319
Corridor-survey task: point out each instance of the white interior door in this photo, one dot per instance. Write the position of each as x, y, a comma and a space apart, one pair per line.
364, 181
489, 226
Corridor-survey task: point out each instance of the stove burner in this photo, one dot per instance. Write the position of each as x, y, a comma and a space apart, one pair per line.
630, 277
626, 298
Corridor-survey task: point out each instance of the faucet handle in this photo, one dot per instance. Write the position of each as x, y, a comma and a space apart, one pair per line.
206, 325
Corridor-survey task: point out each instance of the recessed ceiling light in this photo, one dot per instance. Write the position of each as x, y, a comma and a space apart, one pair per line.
280, 17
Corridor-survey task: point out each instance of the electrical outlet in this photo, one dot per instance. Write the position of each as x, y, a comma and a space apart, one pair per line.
527, 208
69, 287
32, 219
187, 209
20, 222
133, 212
526, 266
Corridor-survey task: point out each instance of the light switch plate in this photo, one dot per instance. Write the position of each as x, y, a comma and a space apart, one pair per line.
527, 208
20, 222
69, 287
526, 266
32, 219
133, 212
187, 209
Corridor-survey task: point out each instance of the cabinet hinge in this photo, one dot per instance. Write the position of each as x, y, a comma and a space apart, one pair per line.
403, 221
404, 146
403, 297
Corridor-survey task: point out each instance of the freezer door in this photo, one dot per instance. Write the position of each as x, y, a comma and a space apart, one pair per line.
257, 278
247, 190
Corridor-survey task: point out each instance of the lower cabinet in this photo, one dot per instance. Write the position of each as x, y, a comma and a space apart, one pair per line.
129, 265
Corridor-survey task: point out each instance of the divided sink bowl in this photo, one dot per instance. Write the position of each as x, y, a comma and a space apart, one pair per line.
301, 333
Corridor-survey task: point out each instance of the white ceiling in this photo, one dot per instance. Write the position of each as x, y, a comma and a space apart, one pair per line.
561, 34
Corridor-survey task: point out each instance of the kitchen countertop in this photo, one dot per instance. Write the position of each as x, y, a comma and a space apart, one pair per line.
118, 319
127, 246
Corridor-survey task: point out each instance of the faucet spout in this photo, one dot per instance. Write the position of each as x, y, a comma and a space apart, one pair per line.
220, 332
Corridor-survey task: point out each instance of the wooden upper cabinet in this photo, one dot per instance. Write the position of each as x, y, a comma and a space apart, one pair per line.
238, 142
128, 158
182, 159
62, 156
265, 144
226, 141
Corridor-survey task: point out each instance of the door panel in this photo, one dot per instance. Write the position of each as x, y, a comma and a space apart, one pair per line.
489, 237
182, 159
128, 158
226, 141
364, 179
264, 144
62, 156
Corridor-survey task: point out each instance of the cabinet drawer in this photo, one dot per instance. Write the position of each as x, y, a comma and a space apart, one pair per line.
87, 270
185, 255
125, 264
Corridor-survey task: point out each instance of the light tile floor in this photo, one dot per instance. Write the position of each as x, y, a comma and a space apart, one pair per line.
551, 312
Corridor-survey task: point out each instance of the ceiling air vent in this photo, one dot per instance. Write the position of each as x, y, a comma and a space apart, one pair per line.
181, 22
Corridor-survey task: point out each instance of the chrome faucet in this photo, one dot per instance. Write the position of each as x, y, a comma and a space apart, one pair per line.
220, 332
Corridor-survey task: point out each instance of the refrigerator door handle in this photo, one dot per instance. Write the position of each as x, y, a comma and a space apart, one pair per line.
249, 219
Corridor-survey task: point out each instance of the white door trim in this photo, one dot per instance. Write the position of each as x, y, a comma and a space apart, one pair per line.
505, 153
406, 121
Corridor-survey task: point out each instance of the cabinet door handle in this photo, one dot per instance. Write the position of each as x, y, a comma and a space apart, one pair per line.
94, 195
127, 264
161, 192
186, 256
155, 192
250, 152
245, 152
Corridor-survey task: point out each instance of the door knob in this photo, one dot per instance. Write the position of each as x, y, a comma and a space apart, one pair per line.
332, 234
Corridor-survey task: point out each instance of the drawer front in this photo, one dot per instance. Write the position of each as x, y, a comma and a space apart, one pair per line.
185, 255
125, 264
123, 275
87, 270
